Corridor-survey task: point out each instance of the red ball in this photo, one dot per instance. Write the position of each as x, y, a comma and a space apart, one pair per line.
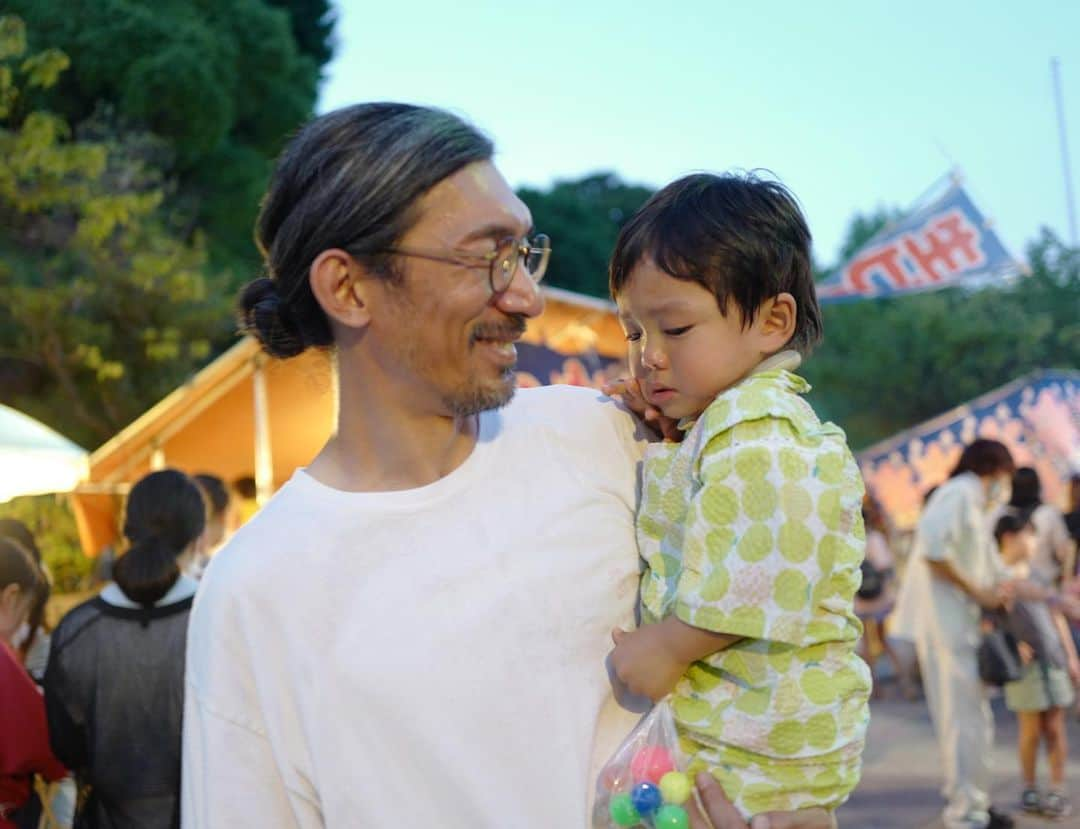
651, 763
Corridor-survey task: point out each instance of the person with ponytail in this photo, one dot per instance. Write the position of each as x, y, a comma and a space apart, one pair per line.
114, 685
24, 743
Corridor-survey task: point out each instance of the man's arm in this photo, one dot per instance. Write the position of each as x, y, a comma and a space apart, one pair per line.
230, 778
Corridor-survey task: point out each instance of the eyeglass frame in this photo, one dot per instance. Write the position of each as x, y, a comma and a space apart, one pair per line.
524, 247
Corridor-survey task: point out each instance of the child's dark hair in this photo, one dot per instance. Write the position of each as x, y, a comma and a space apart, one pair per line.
165, 513
740, 236
1011, 523
1026, 489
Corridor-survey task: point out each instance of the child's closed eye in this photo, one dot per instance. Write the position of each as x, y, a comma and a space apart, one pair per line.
633, 336
675, 332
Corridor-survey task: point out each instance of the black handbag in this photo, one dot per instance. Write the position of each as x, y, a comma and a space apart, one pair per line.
999, 657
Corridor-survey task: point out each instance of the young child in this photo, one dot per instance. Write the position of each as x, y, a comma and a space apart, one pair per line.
1044, 693
751, 527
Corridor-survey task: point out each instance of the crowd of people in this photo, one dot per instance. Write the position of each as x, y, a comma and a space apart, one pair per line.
415, 629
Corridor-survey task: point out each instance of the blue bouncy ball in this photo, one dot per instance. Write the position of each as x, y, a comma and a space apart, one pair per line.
671, 817
646, 798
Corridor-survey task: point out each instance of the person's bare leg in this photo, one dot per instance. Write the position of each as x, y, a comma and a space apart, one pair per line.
1028, 744
1057, 745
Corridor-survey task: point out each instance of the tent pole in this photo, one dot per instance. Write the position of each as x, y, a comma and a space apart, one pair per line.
264, 462
1066, 172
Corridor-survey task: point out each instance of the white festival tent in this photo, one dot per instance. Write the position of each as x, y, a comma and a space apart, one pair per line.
35, 460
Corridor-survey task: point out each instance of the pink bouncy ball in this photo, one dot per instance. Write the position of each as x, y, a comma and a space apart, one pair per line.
651, 763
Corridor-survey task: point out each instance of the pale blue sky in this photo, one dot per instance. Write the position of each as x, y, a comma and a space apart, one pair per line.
851, 104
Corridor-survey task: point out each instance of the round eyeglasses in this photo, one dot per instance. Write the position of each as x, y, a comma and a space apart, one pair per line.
501, 263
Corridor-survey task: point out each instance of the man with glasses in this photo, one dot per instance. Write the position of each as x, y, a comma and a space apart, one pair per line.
412, 632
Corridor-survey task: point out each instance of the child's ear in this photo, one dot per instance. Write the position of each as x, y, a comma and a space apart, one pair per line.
776, 322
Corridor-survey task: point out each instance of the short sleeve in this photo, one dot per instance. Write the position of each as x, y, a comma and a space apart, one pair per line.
772, 546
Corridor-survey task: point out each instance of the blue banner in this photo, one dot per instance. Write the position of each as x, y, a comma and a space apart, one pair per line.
938, 246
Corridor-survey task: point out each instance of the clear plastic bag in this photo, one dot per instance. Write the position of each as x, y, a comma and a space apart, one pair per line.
645, 783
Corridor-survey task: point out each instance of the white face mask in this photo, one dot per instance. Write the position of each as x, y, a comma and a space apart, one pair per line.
22, 633
998, 493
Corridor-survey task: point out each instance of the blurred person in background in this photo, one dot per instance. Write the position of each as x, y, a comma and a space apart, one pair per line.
1072, 522
953, 573
246, 501
31, 640
217, 520
1041, 696
1052, 564
24, 740
114, 689
877, 596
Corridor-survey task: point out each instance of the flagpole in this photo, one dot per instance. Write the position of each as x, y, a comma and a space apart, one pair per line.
1070, 207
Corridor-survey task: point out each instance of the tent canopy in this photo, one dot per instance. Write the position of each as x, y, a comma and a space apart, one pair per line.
1037, 417
34, 459
215, 422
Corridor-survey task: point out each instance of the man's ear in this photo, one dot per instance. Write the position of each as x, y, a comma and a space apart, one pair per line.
775, 322
338, 286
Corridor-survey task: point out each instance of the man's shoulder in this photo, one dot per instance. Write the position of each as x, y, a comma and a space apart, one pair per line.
575, 422
568, 408
259, 549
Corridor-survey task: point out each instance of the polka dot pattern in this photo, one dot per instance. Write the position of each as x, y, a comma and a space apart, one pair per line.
752, 527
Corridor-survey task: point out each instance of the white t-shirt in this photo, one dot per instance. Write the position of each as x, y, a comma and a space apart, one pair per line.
954, 527
426, 658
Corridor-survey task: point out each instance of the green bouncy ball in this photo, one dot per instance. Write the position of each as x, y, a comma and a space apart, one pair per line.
672, 817
623, 812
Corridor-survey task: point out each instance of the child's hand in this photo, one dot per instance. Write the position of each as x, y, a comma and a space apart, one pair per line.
1027, 653
643, 660
628, 390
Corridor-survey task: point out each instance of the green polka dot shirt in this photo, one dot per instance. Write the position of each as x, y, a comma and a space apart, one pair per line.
752, 526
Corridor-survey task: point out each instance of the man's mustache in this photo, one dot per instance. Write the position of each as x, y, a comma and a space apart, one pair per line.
511, 329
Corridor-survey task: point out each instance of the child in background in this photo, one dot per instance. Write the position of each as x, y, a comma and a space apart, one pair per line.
1041, 697
750, 528
24, 736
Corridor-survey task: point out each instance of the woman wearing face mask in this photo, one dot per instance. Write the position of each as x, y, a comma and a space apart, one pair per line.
24, 739
954, 572
114, 685
1052, 564
31, 641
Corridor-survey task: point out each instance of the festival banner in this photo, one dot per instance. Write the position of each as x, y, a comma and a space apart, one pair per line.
946, 243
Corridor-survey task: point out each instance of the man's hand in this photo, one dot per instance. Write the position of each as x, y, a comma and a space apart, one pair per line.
643, 660
628, 390
722, 815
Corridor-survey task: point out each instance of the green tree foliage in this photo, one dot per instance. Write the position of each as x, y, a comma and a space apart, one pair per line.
52, 523
888, 364
223, 83
103, 297
583, 218
312, 27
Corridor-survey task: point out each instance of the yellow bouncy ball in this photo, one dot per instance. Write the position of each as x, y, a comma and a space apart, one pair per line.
675, 787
